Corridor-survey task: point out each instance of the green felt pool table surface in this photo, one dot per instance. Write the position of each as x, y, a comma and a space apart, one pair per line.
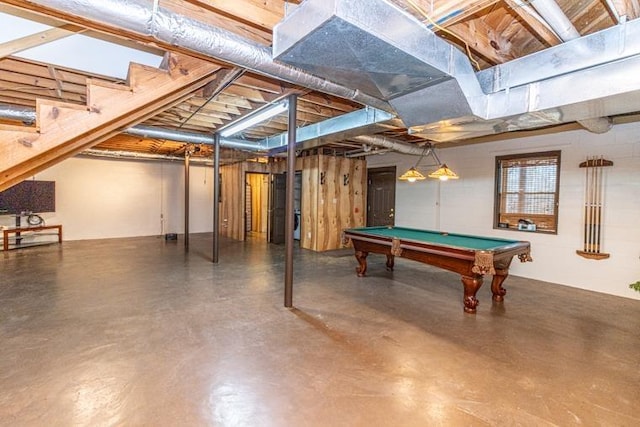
442, 238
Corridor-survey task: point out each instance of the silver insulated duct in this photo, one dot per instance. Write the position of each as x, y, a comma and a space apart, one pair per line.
381, 50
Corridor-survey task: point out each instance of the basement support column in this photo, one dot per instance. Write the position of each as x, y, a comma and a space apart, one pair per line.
186, 201
216, 197
289, 215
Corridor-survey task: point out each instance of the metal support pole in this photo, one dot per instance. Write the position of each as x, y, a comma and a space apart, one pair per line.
289, 215
186, 202
216, 198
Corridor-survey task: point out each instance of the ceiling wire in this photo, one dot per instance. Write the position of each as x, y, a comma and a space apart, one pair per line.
444, 30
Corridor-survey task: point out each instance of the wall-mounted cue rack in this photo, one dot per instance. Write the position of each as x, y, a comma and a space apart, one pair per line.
593, 207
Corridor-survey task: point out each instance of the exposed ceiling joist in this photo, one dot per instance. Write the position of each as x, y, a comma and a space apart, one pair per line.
43, 37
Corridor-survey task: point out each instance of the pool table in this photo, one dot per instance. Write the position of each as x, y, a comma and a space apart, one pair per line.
470, 256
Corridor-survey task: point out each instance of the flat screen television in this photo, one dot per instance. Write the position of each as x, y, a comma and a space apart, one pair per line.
29, 196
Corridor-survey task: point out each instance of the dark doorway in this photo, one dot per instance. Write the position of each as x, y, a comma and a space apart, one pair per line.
381, 196
277, 208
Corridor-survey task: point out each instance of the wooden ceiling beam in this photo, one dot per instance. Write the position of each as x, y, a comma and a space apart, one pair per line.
215, 107
36, 69
628, 8
38, 39
249, 94
185, 112
486, 41
325, 101
16, 101
264, 84
225, 99
263, 15
13, 80
54, 76
9, 89
205, 12
533, 20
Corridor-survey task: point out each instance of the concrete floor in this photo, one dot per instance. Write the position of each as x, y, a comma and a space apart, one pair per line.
136, 332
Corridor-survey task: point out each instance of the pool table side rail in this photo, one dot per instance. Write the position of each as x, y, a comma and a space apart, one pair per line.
512, 244
366, 231
478, 261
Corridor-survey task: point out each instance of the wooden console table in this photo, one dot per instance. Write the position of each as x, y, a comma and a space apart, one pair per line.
18, 230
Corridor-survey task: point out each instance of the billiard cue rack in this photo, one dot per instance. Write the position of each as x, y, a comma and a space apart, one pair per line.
593, 207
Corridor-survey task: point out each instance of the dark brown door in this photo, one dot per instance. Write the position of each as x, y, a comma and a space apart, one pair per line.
277, 208
381, 196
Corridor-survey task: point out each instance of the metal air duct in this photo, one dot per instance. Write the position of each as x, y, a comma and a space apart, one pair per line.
25, 115
381, 50
376, 47
391, 144
130, 155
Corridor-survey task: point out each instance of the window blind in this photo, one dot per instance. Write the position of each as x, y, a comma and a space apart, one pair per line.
528, 189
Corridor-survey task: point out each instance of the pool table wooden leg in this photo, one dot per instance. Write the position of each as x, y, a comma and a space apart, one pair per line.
471, 286
502, 271
496, 285
390, 261
361, 269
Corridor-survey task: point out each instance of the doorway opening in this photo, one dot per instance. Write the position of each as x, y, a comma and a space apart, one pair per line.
381, 196
277, 208
256, 211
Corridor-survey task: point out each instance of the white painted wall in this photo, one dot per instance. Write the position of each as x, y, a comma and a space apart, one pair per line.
99, 198
466, 205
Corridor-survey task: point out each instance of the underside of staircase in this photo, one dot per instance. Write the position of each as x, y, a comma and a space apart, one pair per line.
63, 130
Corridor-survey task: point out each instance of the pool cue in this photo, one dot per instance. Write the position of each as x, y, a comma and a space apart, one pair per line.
586, 207
594, 180
594, 220
593, 205
598, 202
590, 236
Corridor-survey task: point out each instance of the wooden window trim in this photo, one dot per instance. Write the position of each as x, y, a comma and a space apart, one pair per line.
500, 192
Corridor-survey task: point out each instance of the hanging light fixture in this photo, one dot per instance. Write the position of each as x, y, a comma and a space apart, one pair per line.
443, 173
412, 175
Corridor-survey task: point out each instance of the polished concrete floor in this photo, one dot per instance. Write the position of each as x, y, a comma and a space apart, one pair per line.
136, 332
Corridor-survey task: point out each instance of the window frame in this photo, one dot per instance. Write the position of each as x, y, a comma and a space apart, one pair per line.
498, 184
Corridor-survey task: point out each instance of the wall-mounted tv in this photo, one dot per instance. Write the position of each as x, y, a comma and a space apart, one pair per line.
29, 196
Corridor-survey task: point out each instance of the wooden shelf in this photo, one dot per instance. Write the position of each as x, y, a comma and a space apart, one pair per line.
16, 241
593, 255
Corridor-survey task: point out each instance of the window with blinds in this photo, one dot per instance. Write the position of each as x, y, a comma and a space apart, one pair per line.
527, 192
